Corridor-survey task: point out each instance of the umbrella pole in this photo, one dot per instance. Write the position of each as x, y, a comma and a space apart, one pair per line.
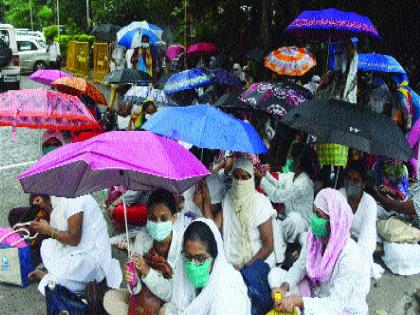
201, 158
336, 177
126, 226
40, 143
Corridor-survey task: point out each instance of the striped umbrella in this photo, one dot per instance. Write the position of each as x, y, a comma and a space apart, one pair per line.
291, 61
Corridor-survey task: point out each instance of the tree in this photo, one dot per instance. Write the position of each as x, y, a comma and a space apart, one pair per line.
44, 15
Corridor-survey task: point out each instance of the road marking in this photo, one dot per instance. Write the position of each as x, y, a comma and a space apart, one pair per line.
2, 168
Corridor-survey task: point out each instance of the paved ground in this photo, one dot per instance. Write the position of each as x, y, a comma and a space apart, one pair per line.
392, 294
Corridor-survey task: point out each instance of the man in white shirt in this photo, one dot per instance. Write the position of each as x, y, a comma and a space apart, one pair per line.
54, 54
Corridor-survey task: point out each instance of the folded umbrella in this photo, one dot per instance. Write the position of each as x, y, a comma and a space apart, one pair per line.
379, 63
186, 80
47, 77
206, 127
290, 61
349, 124
127, 76
79, 86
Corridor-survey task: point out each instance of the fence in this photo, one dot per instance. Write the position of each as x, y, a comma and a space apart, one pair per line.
100, 61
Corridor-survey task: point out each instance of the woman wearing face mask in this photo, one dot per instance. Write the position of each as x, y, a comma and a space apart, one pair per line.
364, 207
205, 283
296, 191
246, 219
155, 254
331, 261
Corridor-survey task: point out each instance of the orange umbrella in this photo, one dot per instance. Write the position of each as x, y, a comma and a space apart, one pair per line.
291, 61
79, 86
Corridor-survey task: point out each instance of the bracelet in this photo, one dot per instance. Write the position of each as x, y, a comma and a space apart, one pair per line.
52, 233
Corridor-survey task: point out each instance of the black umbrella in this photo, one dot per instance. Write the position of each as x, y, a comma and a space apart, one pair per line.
349, 124
127, 76
256, 54
106, 32
231, 100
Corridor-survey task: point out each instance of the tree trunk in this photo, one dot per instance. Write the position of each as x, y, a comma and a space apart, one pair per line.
266, 23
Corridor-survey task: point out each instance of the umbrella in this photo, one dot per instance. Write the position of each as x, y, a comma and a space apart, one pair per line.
224, 77
331, 24
348, 124
291, 61
48, 76
206, 127
231, 100
202, 48
44, 109
186, 80
106, 32
127, 76
132, 39
79, 86
173, 51
255, 54
275, 98
143, 25
379, 63
115, 158
138, 94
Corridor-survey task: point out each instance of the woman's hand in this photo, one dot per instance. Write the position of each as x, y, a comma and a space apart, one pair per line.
287, 304
127, 274
282, 290
41, 227
141, 265
258, 173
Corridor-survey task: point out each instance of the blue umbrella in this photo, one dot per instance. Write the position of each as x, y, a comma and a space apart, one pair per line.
224, 77
132, 39
206, 127
379, 63
186, 80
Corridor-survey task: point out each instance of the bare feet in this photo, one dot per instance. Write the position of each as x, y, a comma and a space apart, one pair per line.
36, 275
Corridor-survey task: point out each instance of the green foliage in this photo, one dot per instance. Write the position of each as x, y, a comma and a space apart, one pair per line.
51, 31
44, 15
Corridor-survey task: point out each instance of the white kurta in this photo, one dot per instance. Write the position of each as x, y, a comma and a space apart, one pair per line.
346, 291
75, 266
363, 230
231, 228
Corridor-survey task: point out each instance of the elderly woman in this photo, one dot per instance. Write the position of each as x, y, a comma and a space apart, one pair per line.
155, 254
332, 262
73, 256
205, 283
246, 219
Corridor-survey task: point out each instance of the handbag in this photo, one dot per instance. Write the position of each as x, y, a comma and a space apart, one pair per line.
15, 255
60, 299
395, 230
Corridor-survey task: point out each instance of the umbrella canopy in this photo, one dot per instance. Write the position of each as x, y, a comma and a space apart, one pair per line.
115, 158
138, 94
379, 63
231, 100
132, 39
79, 86
44, 109
186, 80
224, 77
173, 51
290, 61
349, 124
143, 25
275, 98
48, 76
105, 32
331, 24
127, 76
202, 48
255, 54
206, 127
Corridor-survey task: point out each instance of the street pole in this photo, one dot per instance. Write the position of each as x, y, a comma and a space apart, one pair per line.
58, 17
187, 30
30, 12
87, 14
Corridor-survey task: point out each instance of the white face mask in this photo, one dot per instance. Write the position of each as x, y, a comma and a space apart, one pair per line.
145, 45
147, 116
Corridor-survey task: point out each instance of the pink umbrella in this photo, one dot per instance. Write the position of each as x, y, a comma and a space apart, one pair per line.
173, 51
48, 76
138, 160
202, 48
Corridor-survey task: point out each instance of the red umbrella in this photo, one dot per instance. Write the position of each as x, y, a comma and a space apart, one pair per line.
202, 48
79, 86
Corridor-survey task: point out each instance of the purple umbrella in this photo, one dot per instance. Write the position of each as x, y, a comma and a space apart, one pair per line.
173, 51
331, 24
48, 76
135, 160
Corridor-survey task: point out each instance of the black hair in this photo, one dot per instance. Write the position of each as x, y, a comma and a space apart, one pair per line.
199, 231
306, 157
359, 167
46, 198
207, 154
164, 197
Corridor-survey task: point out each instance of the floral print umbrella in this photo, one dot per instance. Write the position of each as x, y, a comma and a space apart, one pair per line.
290, 61
275, 98
79, 86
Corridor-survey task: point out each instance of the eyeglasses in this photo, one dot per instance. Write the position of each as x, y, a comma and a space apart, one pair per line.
198, 260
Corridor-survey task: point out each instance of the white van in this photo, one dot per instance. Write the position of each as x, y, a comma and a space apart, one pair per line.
9, 58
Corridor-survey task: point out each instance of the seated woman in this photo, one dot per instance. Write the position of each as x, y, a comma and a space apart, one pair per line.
363, 227
78, 250
296, 191
155, 254
332, 262
205, 283
246, 219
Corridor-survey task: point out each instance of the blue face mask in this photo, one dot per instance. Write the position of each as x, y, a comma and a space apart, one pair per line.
159, 231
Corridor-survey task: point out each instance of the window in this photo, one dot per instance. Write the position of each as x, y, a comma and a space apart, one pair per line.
4, 36
26, 46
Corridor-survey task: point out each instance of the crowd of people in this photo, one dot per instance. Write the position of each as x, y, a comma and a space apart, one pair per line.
288, 222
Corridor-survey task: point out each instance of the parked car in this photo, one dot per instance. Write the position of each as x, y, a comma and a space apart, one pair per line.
9, 58
33, 55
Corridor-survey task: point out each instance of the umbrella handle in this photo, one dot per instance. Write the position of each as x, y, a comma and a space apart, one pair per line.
126, 226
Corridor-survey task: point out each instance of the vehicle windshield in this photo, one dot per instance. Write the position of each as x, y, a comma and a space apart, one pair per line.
4, 36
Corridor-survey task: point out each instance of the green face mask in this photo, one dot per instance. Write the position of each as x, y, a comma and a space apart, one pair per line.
198, 275
47, 150
319, 226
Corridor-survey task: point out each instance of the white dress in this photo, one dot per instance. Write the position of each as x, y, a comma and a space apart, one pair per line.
346, 291
231, 227
75, 266
363, 230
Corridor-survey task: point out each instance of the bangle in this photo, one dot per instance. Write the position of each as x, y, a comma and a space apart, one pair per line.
52, 233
